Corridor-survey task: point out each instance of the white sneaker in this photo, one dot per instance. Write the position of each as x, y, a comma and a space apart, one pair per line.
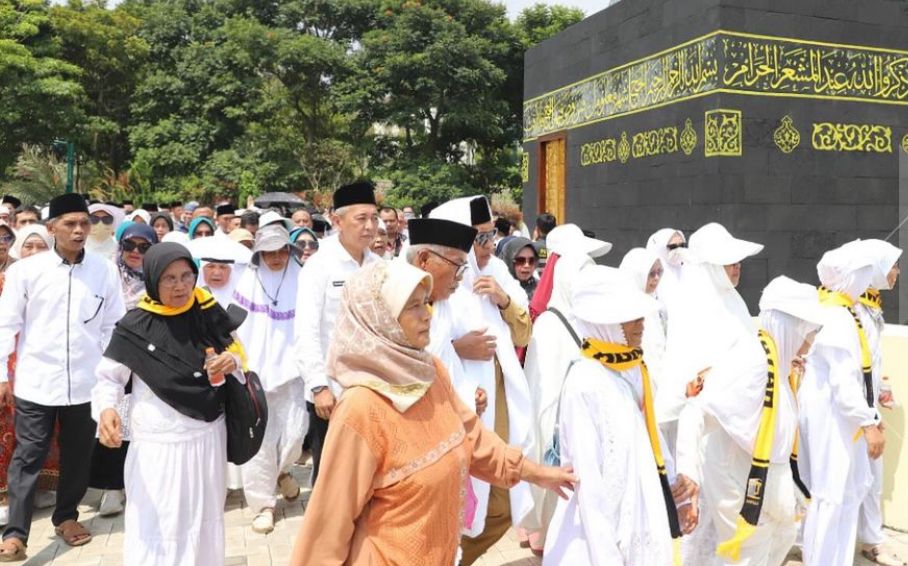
111, 503
45, 499
264, 522
4, 515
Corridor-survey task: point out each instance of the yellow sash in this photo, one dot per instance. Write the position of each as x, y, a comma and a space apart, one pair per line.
619, 357
872, 299
749, 517
835, 298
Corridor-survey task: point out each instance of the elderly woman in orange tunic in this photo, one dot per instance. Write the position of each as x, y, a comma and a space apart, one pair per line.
401, 445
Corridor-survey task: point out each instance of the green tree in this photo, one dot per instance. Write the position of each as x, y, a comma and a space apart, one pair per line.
105, 45
540, 22
40, 95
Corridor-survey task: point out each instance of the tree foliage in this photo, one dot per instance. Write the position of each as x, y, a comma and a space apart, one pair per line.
235, 97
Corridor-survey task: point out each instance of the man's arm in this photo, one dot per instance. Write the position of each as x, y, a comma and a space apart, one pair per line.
12, 315
114, 307
310, 302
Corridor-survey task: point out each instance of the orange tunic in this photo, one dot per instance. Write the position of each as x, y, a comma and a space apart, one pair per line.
392, 484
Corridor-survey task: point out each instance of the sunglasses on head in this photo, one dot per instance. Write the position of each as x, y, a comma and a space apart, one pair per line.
676, 246
484, 238
108, 220
525, 261
129, 245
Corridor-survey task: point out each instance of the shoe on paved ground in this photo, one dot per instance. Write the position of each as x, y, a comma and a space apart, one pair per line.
111, 502
45, 499
264, 522
288, 487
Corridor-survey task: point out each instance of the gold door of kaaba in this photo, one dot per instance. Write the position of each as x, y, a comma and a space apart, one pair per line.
552, 189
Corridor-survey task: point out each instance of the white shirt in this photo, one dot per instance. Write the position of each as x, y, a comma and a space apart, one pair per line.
64, 315
321, 283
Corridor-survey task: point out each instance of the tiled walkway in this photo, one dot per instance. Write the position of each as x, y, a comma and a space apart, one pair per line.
245, 547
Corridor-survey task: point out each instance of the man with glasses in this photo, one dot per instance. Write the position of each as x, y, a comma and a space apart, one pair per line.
440, 247
63, 306
491, 318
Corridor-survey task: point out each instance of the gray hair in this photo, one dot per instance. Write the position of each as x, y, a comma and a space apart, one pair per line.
414, 250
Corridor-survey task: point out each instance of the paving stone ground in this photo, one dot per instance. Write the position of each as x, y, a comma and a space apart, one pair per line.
247, 548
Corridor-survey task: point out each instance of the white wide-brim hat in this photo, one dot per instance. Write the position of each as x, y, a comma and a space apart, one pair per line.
566, 238
605, 295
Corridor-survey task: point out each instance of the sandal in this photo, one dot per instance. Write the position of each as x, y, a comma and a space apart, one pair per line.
288, 487
263, 523
73, 533
12, 550
876, 555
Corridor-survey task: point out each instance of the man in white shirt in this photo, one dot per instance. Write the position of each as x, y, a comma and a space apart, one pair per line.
321, 282
63, 306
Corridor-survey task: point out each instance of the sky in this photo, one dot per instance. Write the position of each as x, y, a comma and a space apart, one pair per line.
589, 7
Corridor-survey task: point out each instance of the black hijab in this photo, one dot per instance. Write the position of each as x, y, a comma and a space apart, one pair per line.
166, 349
163, 215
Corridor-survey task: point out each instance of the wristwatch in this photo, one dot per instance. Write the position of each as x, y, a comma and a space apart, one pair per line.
319, 389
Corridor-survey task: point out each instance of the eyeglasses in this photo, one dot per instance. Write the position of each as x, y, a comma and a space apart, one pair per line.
170, 281
459, 267
484, 238
676, 246
129, 245
7, 239
525, 260
108, 220
308, 244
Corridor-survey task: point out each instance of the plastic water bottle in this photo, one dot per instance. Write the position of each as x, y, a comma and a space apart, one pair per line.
215, 379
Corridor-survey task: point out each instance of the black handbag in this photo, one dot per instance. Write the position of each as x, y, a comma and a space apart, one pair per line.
246, 413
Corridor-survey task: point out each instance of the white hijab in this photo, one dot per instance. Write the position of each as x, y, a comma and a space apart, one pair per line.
26, 233
709, 319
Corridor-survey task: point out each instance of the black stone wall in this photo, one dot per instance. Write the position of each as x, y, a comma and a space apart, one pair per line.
798, 204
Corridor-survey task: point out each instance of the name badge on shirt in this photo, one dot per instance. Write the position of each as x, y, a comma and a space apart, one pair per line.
338, 283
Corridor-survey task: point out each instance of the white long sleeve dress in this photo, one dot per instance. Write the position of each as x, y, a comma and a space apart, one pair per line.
174, 474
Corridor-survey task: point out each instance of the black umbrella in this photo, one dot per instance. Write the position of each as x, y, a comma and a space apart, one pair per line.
268, 200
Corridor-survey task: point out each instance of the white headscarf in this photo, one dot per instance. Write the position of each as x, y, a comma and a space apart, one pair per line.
210, 250
140, 213
267, 334
26, 233
846, 270
669, 291
602, 299
707, 319
637, 264
884, 257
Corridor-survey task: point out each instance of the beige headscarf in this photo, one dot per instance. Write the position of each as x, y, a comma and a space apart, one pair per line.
369, 348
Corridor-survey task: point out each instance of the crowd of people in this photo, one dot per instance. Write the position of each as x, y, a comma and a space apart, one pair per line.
451, 376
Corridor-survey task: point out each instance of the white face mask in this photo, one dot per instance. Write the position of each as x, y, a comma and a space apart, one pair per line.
676, 257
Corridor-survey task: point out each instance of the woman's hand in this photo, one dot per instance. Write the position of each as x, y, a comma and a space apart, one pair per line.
222, 363
110, 429
684, 489
551, 478
689, 515
482, 401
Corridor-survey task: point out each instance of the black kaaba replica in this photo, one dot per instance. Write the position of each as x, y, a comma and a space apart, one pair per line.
784, 121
